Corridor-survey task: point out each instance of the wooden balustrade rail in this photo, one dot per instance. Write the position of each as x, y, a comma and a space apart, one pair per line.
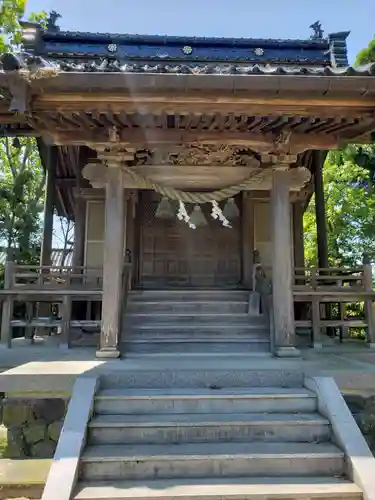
341, 286
315, 277
318, 287
61, 285
46, 277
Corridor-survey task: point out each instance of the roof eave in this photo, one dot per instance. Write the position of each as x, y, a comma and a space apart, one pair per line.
139, 83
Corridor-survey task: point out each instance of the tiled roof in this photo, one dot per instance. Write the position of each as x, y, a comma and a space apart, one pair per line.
27, 60
85, 46
219, 69
171, 39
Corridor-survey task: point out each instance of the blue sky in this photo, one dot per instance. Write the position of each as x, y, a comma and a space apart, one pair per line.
240, 18
234, 18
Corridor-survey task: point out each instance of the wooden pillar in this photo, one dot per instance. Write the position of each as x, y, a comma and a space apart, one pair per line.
79, 231
49, 203
298, 237
369, 304
112, 264
320, 211
7, 306
321, 228
282, 297
247, 240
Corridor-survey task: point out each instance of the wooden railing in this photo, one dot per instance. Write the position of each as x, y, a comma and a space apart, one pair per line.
335, 278
56, 277
59, 286
324, 291
31, 286
323, 287
313, 286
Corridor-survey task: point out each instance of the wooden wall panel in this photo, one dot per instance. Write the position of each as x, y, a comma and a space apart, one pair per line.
173, 255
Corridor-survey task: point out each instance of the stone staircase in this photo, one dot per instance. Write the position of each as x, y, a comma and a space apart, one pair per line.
194, 434
193, 322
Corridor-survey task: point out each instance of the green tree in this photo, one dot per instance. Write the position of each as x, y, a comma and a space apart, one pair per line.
22, 180
349, 188
350, 207
366, 55
21, 174
11, 11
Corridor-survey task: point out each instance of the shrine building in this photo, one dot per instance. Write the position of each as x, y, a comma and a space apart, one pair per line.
187, 164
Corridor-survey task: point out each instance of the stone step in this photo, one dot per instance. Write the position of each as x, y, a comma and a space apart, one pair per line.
177, 319
197, 346
226, 401
198, 377
194, 329
208, 428
196, 295
201, 460
191, 306
262, 488
183, 337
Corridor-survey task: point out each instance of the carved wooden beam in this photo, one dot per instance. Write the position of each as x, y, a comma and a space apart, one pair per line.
285, 142
204, 102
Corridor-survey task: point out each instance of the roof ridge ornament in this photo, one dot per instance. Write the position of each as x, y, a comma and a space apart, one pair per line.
52, 20
317, 31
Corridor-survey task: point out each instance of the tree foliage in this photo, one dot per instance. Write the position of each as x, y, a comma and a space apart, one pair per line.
350, 207
367, 55
349, 189
11, 11
22, 180
21, 173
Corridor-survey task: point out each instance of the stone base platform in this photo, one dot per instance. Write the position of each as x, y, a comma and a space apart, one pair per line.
51, 372
23, 478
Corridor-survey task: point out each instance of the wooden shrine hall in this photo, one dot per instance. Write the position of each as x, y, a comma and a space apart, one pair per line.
186, 164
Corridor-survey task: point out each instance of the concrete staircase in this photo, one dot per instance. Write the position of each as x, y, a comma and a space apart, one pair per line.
190, 434
193, 322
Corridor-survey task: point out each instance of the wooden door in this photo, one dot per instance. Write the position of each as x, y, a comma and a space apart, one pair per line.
173, 255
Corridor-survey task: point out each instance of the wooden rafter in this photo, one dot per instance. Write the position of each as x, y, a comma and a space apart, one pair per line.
156, 137
204, 103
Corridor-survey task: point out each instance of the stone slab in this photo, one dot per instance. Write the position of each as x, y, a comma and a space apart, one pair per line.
255, 489
23, 472
51, 370
64, 468
359, 459
190, 450
193, 460
206, 401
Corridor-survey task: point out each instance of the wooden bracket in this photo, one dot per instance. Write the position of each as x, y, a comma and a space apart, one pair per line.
20, 91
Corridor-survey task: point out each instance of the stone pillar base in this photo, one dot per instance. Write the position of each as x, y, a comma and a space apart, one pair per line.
287, 352
317, 346
108, 353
